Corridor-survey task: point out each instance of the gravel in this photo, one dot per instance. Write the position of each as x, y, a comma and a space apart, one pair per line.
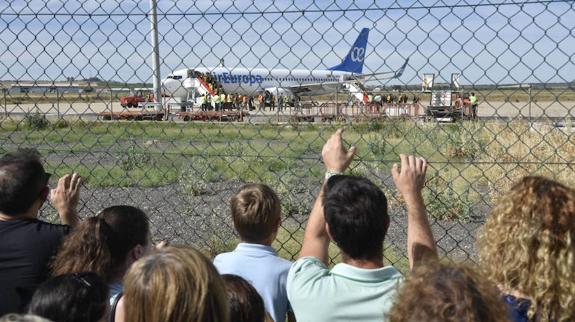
204, 220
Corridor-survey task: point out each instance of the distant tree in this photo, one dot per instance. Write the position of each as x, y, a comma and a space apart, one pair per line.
92, 79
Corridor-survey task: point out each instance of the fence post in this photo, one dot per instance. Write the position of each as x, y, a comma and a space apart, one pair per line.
57, 104
530, 99
156, 54
337, 102
111, 101
4, 90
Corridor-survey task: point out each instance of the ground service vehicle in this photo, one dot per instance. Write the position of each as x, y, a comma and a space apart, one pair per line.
137, 98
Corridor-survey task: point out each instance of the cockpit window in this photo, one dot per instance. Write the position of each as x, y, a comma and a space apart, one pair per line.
177, 77
170, 77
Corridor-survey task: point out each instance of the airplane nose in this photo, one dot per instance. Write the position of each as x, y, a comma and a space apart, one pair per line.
167, 84
171, 86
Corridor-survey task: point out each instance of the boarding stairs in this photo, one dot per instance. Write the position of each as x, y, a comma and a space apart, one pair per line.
357, 90
197, 86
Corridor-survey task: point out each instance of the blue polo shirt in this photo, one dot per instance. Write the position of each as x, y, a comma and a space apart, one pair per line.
261, 266
344, 293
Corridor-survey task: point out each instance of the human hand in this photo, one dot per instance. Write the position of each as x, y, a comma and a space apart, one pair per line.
161, 245
410, 179
65, 197
335, 156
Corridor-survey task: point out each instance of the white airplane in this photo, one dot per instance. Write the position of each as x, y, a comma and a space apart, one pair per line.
296, 82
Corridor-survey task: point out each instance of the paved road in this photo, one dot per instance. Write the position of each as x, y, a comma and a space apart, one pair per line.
486, 110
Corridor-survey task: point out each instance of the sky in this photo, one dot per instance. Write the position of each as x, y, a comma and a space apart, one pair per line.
488, 42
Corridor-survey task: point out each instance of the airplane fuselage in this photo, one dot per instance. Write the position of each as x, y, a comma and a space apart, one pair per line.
298, 82
246, 81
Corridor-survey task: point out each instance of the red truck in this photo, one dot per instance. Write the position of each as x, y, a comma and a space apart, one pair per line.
138, 97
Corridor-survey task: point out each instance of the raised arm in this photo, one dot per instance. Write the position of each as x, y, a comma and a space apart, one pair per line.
65, 198
409, 180
336, 160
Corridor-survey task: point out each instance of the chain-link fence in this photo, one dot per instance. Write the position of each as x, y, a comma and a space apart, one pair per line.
482, 89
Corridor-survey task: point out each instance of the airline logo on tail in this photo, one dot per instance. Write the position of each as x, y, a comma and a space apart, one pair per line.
353, 62
357, 54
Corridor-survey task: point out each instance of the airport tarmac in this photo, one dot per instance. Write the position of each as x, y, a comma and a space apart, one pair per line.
487, 109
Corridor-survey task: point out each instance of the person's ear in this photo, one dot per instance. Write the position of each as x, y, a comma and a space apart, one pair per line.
138, 252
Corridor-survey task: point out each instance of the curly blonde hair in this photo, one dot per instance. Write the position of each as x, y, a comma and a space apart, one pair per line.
439, 292
528, 245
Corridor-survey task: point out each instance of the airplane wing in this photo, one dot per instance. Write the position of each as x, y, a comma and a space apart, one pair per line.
327, 86
388, 75
310, 88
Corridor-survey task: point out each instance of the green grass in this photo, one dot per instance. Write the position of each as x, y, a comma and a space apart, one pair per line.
117, 176
470, 162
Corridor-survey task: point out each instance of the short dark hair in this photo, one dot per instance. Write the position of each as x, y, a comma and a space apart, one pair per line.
256, 210
246, 305
77, 297
356, 212
22, 179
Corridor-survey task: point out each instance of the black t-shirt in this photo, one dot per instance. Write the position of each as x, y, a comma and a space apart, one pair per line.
26, 248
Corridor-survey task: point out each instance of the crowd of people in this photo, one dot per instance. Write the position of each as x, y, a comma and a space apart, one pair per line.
468, 101
106, 268
262, 101
216, 98
391, 98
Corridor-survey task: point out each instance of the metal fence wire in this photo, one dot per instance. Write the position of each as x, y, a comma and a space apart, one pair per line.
250, 91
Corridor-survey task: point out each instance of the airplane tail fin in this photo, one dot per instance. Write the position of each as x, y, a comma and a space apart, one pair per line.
353, 62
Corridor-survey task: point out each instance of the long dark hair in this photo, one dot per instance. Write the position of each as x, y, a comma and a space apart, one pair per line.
101, 244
